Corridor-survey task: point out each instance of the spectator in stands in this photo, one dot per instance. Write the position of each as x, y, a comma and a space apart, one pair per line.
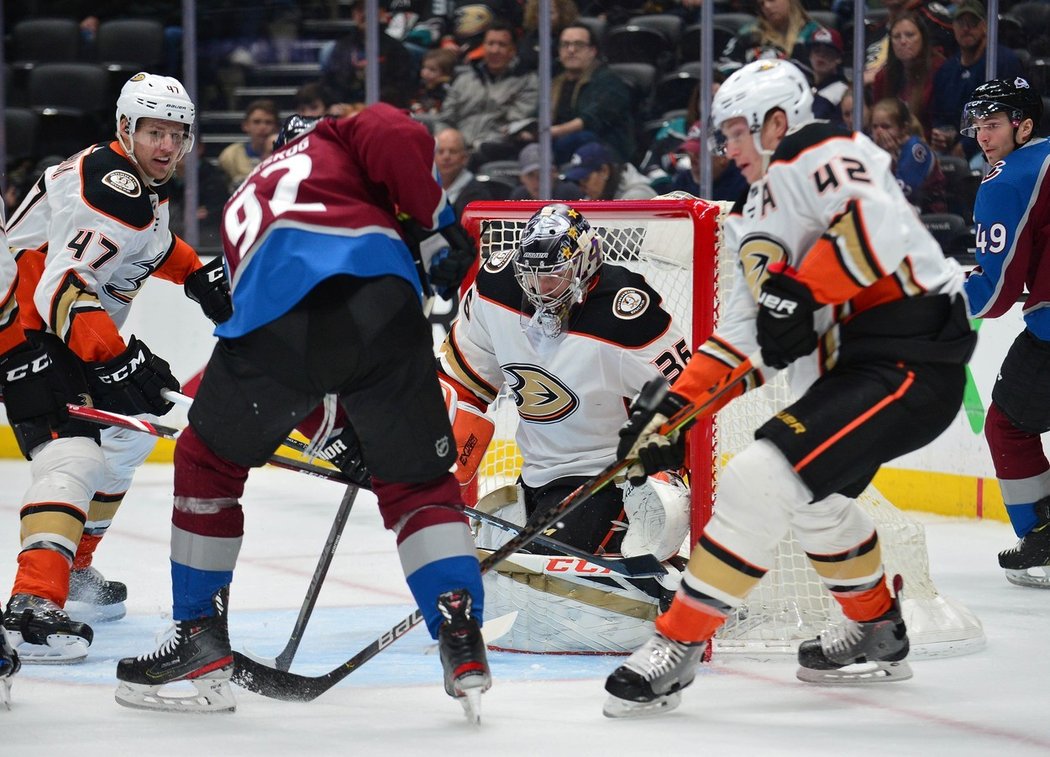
472, 18
961, 74
260, 123
588, 101
343, 72
529, 173
489, 102
932, 12
847, 112
781, 31
435, 76
312, 100
451, 157
829, 80
910, 68
727, 183
897, 131
602, 175
563, 13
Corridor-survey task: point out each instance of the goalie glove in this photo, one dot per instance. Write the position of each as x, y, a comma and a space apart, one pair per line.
209, 287
640, 441
31, 388
132, 381
785, 318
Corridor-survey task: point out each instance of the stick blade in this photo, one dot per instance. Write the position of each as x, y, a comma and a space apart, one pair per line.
261, 679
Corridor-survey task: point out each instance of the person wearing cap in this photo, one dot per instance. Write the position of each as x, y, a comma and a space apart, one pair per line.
603, 176
529, 172
727, 183
960, 76
829, 80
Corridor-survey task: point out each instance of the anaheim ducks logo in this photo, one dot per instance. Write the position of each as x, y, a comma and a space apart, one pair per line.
498, 258
630, 303
540, 397
756, 253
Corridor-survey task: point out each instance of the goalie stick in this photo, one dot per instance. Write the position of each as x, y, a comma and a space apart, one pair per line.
287, 686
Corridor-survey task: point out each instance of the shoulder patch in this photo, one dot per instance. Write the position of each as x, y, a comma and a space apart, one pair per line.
630, 303
124, 182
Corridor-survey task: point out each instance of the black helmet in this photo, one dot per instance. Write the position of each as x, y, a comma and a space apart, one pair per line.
557, 243
294, 126
1015, 98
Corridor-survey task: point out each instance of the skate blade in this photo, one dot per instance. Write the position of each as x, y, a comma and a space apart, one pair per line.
5, 693
623, 708
210, 695
61, 649
471, 702
1030, 580
861, 672
85, 612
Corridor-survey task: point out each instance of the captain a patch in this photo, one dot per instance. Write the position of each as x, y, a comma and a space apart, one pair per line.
124, 182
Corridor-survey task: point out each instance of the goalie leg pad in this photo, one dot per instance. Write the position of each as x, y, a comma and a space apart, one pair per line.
657, 516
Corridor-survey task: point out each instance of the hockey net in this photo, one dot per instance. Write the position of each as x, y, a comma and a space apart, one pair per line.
676, 245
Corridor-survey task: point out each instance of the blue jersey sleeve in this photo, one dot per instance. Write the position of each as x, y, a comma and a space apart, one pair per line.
913, 166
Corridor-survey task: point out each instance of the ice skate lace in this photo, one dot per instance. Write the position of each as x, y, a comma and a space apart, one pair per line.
168, 639
841, 638
658, 657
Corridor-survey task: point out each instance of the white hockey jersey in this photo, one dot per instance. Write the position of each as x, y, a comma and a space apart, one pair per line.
86, 237
11, 334
829, 207
571, 391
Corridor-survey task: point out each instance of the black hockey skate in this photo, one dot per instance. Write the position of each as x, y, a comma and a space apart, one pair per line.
1032, 551
41, 631
463, 656
869, 651
93, 599
651, 680
9, 665
198, 652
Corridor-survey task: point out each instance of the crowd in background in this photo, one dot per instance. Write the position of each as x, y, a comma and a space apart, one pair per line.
622, 127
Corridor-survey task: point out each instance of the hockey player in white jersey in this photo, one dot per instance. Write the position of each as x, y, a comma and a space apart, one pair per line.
86, 237
573, 338
841, 284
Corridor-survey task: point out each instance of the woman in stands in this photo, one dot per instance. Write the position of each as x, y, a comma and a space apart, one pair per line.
781, 31
910, 67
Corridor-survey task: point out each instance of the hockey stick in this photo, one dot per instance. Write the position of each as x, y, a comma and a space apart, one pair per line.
640, 566
277, 684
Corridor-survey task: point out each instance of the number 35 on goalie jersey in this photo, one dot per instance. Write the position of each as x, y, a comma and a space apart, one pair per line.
571, 391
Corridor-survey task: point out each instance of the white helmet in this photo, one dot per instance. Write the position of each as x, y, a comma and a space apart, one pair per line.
754, 90
147, 95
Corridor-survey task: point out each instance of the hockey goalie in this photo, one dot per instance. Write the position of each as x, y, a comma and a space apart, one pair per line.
571, 339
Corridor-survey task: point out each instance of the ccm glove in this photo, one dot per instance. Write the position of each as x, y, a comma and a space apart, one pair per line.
785, 318
208, 287
31, 386
132, 381
450, 265
639, 441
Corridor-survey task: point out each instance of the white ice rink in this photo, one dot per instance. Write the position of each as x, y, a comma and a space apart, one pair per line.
994, 702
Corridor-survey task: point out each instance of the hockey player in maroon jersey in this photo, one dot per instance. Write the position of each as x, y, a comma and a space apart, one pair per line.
326, 304
1010, 214
841, 285
87, 236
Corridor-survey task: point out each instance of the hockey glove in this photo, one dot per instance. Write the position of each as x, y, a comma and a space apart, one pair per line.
785, 318
639, 440
208, 287
32, 389
132, 381
450, 265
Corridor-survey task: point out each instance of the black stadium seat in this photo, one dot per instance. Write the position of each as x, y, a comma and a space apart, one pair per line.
74, 105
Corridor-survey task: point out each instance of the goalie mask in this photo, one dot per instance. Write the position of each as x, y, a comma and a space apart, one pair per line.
755, 90
151, 96
558, 258
1015, 98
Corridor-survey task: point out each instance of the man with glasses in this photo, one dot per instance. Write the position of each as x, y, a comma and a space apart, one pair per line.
86, 237
589, 102
961, 74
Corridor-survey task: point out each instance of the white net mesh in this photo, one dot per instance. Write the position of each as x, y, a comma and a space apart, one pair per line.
790, 603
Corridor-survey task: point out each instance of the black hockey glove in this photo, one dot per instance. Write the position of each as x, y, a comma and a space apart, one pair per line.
450, 265
132, 381
32, 389
785, 318
208, 287
343, 450
639, 441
